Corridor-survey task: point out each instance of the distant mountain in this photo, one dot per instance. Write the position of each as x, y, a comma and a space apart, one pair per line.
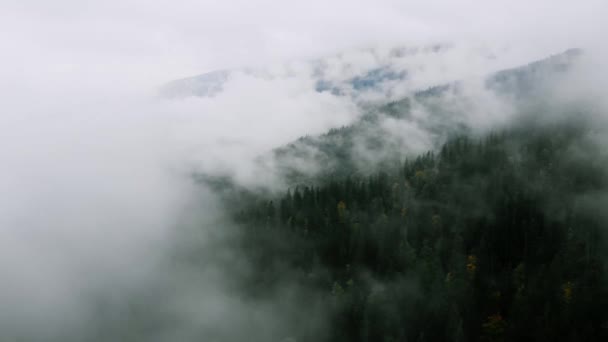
351, 74
424, 120
387, 131
526, 80
381, 72
204, 85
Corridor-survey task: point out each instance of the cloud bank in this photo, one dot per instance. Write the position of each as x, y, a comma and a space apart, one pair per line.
95, 167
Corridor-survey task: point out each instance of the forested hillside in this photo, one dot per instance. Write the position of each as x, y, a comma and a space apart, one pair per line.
387, 132
498, 238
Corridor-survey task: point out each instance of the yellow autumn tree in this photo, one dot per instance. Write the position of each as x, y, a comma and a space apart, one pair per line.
471, 265
567, 292
341, 210
494, 328
436, 220
420, 175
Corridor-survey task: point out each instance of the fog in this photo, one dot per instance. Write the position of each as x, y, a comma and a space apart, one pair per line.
96, 185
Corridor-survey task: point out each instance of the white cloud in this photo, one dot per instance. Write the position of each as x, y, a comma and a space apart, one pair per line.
93, 164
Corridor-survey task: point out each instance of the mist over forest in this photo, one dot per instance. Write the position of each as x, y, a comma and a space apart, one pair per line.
263, 171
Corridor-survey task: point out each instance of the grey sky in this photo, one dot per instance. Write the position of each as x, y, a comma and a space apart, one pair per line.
145, 41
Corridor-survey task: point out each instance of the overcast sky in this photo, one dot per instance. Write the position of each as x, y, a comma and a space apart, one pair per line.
147, 41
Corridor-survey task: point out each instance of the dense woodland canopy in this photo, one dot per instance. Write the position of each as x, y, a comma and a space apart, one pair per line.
498, 238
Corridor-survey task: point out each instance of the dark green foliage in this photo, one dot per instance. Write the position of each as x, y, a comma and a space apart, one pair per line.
493, 239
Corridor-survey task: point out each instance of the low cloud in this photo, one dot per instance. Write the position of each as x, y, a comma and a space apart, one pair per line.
96, 168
